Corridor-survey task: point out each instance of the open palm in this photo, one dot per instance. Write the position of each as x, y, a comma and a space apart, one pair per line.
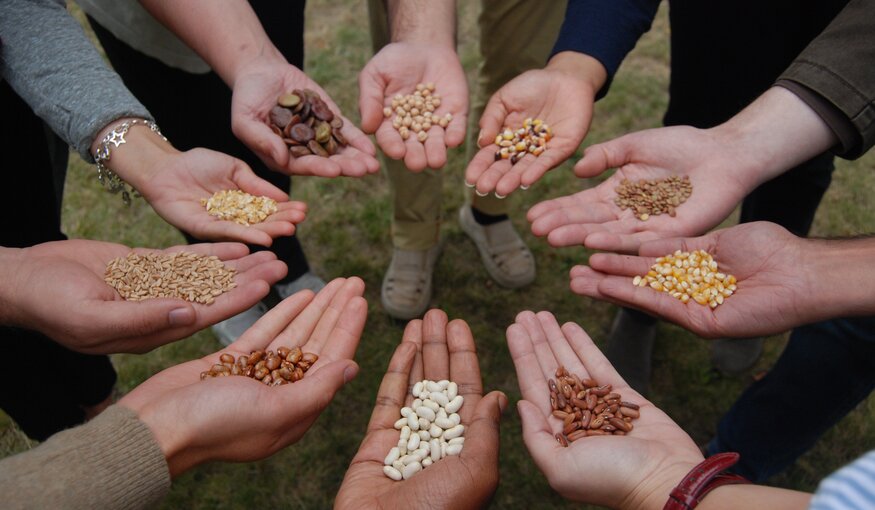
604, 470
591, 218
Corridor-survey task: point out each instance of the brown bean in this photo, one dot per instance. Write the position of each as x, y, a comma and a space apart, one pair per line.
336, 122
302, 133
310, 357
286, 373
289, 100
341, 140
611, 396
261, 364
273, 362
280, 116
566, 391
607, 427
297, 375
561, 439
560, 371
255, 357
618, 433
267, 379
600, 408
218, 369
295, 354
559, 414
236, 370
299, 151
322, 132
591, 401
560, 400
585, 418
577, 434
628, 411
596, 432
568, 420
282, 351
613, 408
204, 375
553, 402
601, 391
243, 361
552, 385
629, 405
261, 373
571, 427
317, 149
597, 422
578, 403
226, 358
620, 424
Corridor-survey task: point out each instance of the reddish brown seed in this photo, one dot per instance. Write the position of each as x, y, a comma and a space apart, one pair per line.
299, 151
571, 427
553, 402
552, 385
560, 400
273, 362
566, 391
568, 420
302, 133
629, 405
261, 364
317, 149
578, 403
341, 140
297, 375
618, 433
620, 424
321, 111
261, 373
280, 116
559, 414
295, 354
289, 100
607, 427
601, 391
577, 434
600, 408
267, 379
628, 411
597, 432
255, 357
282, 352
596, 423
560, 372
585, 419
286, 373
336, 122
236, 370
612, 396
561, 439
591, 401
226, 358
309, 357
277, 131
303, 365
243, 361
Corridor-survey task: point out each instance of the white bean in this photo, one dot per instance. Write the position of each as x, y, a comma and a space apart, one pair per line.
457, 440
405, 433
456, 431
443, 383
435, 431
402, 446
426, 462
440, 398
424, 435
411, 469
400, 423
433, 386
416, 403
413, 421
398, 465
435, 449
406, 411
394, 454
392, 473
444, 423
417, 388
452, 390
413, 443
455, 418
425, 412
454, 405
423, 395
425, 447
442, 414
454, 449
424, 424
431, 404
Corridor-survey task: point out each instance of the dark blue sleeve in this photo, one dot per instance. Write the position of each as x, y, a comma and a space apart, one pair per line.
606, 30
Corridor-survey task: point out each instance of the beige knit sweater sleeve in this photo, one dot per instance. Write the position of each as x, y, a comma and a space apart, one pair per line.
111, 462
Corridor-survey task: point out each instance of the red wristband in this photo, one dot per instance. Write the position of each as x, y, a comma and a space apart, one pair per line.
702, 479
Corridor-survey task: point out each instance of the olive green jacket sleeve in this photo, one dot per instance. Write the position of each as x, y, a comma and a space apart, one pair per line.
111, 462
835, 75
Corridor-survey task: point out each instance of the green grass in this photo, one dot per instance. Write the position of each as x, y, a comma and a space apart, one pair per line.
347, 233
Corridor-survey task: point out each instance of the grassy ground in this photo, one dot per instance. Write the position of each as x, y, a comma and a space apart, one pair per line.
347, 234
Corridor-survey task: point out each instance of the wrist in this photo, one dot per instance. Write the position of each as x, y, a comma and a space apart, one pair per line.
11, 262
167, 433
831, 289
582, 67
133, 150
423, 22
655, 489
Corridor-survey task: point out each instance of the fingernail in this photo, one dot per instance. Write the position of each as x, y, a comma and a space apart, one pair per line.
181, 316
480, 139
502, 403
468, 184
523, 187
480, 194
500, 197
350, 372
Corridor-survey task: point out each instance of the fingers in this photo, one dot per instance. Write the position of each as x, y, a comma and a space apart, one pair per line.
596, 364
531, 378
464, 367
435, 355
371, 92
266, 329
620, 265
562, 350
246, 180
390, 141
140, 321
393, 389
492, 120
413, 335
258, 266
546, 360
352, 288
455, 132
481, 161
312, 394
602, 156
217, 229
298, 332
314, 165
344, 338
225, 251
259, 137
482, 432
436, 148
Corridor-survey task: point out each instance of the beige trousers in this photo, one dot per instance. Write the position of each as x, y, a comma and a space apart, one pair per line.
515, 36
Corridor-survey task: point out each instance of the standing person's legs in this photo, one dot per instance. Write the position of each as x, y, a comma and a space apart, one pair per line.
515, 36
416, 217
42, 406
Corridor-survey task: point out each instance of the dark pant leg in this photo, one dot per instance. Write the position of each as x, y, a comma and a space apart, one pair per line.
194, 110
41, 404
826, 370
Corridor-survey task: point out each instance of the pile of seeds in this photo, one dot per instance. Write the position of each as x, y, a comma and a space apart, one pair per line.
414, 113
307, 125
655, 196
286, 365
588, 409
686, 276
431, 429
239, 207
183, 275
531, 139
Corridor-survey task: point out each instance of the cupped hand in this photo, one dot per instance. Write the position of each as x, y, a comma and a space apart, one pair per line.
61, 292
764, 257
397, 69
614, 471
238, 418
562, 100
182, 179
256, 89
435, 350
591, 218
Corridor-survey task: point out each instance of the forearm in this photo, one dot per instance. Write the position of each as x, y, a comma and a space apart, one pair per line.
840, 276
49, 62
775, 133
111, 462
227, 34
423, 21
582, 67
10, 267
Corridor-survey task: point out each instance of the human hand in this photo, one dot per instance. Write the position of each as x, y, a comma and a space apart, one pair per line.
561, 95
238, 418
591, 217
179, 181
256, 88
397, 69
637, 470
766, 259
431, 349
58, 289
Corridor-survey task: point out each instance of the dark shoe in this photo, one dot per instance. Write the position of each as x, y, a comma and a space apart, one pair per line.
629, 348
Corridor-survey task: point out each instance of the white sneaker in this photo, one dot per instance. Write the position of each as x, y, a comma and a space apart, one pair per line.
307, 280
407, 285
230, 330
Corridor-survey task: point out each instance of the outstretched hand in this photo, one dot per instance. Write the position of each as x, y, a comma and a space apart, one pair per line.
764, 257
60, 291
397, 69
256, 89
614, 471
435, 350
591, 218
238, 418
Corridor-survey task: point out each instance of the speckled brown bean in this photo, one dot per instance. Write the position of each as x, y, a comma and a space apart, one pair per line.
255, 357
561, 439
601, 391
261, 373
566, 391
552, 385
273, 363
571, 427
577, 434
568, 420
275, 374
282, 352
310, 357
226, 358
612, 396
630, 405
585, 419
218, 369
596, 432
559, 414
589, 383
561, 372
560, 401
286, 373
596, 423
618, 433
297, 375
613, 408
261, 364
236, 370
295, 354
553, 402
243, 361
620, 424
591, 401
628, 411
599, 409
578, 403
267, 379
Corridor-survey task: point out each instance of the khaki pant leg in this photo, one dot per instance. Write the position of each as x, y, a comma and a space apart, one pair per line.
416, 196
515, 36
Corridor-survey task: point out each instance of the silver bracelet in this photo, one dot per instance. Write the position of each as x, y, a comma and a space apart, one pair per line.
109, 179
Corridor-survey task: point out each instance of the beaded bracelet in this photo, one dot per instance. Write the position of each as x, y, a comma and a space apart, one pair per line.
702, 479
109, 179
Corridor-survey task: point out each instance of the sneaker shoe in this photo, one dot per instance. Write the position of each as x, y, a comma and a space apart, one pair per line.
230, 330
629, 348
506, 257
406, 289
307, 280
733, 356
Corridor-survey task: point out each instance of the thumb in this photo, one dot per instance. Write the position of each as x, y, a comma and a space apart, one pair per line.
491, 121
537, 434
315, 391
147, 317
484, 428
371, 90
602, 156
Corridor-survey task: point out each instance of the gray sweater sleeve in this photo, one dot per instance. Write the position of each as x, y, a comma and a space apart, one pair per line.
47, 59
112, 462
